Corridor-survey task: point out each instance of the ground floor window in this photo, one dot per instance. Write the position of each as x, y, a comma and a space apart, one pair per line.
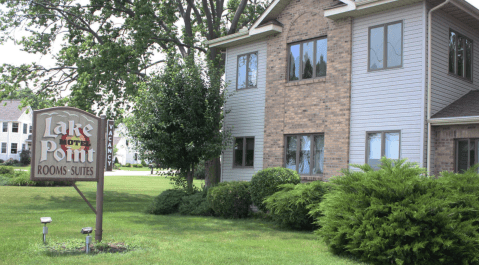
243, 154
381, 144
305, 153
4, 148
466, 154
13, 150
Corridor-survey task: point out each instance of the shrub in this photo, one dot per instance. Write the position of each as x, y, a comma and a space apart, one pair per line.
116, 161
1, 161
25, 157
290, 206
230, 199
127, 165
143, 163
195, 204
200, 172
116, 166
22, 178
167, 202
6, 170
266, 182
10, 162
396, 215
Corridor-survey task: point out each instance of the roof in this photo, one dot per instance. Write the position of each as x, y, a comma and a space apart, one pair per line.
116, 140
466, 106
10, 111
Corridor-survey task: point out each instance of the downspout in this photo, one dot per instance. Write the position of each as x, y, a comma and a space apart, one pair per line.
429, 72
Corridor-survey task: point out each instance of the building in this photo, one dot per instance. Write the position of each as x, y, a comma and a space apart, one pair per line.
126, 151
323, 84
16, 129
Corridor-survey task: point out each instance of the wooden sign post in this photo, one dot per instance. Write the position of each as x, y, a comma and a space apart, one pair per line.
69, 145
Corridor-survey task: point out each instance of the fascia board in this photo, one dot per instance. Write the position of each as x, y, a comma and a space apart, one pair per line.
454, 120
336, 11
265, 13
220, 43
264, 29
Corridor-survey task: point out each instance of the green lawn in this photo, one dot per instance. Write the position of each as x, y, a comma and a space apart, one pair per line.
172, 239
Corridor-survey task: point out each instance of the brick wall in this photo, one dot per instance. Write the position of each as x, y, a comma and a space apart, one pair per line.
444, 150
320, 105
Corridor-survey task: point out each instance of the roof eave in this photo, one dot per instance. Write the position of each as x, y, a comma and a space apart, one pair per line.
251, 35
365, 7
454, 120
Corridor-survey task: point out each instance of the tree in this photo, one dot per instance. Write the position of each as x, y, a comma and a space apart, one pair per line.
176, 117
108, 46
34, 100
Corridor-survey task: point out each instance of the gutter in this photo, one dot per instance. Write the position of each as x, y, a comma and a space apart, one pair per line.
241, 33
429, 77
454, 120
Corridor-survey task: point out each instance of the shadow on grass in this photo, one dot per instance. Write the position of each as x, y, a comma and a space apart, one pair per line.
113, 201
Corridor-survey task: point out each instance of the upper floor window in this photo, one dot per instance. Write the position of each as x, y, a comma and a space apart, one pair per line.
15, 127
305, 153
25, 128
5, 127
460, 55
385, 46
247, 71
308, 59
381, 144
4, 148
466, 154
243, 154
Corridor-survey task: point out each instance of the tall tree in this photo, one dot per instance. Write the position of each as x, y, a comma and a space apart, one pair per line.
176, 119
109, 46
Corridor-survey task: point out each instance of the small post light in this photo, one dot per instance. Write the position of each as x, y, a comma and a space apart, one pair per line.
45, 221
87, 231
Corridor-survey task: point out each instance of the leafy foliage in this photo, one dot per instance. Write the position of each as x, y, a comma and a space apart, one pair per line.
230, 199
397, 215
195, 204
177, 119
25, 157
200, 170
167, 202
6, 170
290, 206
267, 181
22, 178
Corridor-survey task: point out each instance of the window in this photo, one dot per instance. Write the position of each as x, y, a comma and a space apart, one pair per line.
247, 71
15, 127
31, 129
243, 154
381, 144
23, 147
13, 149
385, 46
466, 154
25, 127
126, 143
4, 148
308, 59
5, 127
305, 153
136, 156
460, 55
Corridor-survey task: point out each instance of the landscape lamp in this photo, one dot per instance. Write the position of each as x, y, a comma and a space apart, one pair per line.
45, 221
87, 231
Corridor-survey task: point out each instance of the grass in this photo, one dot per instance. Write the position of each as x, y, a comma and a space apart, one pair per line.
171, 239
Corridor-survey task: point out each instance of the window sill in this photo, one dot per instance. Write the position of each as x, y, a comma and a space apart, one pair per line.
460, 78
385, 69
246, 88
243, 167
307, 81
307, 178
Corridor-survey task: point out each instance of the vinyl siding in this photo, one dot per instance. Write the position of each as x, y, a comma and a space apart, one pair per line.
246, 106
390, 99
447, 88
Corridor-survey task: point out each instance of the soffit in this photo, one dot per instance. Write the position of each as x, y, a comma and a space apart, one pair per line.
465, 16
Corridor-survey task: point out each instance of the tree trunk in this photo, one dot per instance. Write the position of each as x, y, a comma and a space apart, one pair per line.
189, 180
212, 172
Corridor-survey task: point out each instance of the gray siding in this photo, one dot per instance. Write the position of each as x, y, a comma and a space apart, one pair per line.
447, 88
246, 117
391, 99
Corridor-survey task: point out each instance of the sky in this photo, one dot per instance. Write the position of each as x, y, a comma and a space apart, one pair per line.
12, 54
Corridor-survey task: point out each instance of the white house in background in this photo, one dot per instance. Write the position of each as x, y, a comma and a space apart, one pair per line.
126, 152
16, 127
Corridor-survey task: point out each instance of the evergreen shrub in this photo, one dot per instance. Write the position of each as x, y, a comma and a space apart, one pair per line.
266, 182
195, 204
1, 161
116, 160
167, 202
143, 163
10, 162
127, 165
230, 199
6, 170
22, 178
290, 206
397, 215
25, 157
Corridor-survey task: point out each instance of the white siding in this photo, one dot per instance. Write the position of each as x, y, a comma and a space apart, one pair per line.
447, 88
19, 138
246, 117
391, 99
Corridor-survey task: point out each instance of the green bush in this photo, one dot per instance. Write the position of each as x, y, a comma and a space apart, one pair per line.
10, 162
290, 206
200, 172
6, 170
143, 163
266, 182
22, 178
230, 199
397, 215
195, 204
25, 157
116, 160
116, 166
127, 165
167, 202
1, 161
